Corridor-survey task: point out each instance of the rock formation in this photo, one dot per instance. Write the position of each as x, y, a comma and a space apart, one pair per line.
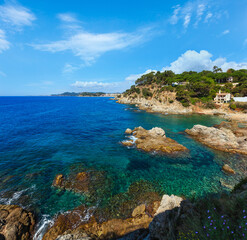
228, 169
152, 140
15, 223
228, 139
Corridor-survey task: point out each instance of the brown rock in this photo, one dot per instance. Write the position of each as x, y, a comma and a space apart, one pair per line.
139, 210
16, 223
154, 140
225, 137
228, 169
128, 131
58, 181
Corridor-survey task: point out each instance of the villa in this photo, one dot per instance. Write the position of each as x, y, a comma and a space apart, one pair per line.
222, 98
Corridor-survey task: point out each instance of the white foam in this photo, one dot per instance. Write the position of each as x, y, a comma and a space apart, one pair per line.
45, 222
133, 138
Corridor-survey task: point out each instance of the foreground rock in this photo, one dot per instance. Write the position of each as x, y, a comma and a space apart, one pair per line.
219, 137
152, 140
15, 223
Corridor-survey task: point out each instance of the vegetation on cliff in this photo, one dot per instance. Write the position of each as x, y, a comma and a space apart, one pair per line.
191, 87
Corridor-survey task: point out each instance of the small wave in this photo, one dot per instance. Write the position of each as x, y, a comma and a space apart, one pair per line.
45, 222
133, 138
15, 197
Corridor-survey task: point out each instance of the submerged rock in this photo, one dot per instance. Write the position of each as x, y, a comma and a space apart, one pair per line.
221, 137
15, 223
228, 169
153, 140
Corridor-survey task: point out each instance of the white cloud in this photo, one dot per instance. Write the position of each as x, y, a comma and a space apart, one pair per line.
4, 44
226, 32
187, 20
67, 17
208, 16
174, 18
89, 46
198, 61
134, 77
193, 12
16, 15
80, 84
69, 68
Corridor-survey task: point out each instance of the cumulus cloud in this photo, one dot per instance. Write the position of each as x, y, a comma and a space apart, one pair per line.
4, 44
89, 46
134, 77
16, 15
198, 61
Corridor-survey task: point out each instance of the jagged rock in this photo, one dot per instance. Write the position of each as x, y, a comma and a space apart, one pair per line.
128, 131
15, 223
220, 138
153, 140
58, 181
168, 203
228, 169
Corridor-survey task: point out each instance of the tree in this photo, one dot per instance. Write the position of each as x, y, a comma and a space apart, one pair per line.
216, 69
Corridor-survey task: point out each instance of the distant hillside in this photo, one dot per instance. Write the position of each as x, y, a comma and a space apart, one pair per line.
80, 94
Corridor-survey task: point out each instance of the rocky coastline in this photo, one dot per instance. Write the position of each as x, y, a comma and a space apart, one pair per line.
171, 106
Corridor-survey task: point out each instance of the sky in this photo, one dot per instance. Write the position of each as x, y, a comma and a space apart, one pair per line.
49, 47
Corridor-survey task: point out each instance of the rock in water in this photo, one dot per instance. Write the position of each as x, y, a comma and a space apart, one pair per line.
153, 140
228, 169
128, 131
15, 223
220, 138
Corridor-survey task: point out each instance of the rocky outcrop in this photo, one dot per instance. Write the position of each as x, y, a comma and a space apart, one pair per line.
74, 236
220, 137
153, 140
15, 223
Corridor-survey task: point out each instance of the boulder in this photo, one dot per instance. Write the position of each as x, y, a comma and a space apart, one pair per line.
228, 169
128, 131
15, 223
168, 203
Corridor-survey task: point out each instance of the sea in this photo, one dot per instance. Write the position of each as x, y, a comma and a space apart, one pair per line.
41, 137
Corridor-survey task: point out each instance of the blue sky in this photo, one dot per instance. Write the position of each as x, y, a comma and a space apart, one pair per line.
55, 46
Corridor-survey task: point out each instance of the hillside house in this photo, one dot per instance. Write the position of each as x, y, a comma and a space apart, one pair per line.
222, 98
229, 80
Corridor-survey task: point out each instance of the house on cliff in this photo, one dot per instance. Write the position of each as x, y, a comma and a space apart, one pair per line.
222, 98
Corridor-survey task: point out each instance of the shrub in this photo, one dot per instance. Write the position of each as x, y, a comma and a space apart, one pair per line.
210, 105
146, 93
232, 106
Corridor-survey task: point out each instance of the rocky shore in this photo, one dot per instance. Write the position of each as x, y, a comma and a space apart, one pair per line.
15, 223
169, 105
152, 140
227, 137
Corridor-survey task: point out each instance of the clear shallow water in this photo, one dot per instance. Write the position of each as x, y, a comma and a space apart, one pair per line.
43, 136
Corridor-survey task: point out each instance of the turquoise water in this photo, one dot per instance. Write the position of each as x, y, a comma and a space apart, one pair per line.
43, 136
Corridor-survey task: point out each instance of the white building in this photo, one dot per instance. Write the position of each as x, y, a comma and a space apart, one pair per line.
240, 99
222, 98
